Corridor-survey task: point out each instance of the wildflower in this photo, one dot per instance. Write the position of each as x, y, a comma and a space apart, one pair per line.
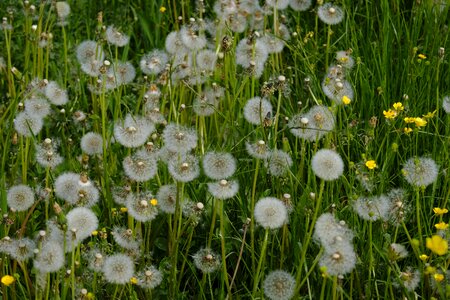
8, 280
327, 164
206, 260
125, 238
345, 59
118, 269
258, 150
437, 245
162, 9
390, 114
179, 139
37, 107
420, 122
407, 130
372, 208
438, 277
279, 285
50, 257
252, 55
371, 164
207, 103
446, 104
330, 14
279, 162
270, 213
219, 165
133, 131
92, 143
424, 257
278, 4
440, 211
398, 106
139, 207
55, 94
184, 168
175, 46
223, 189
441, 225
81, 221
430, 114
420, 171
20, 197
346, 100
300, 5
154, 62
421, 56
339, 261
28, 125
140, 166
115, 37
256, 109
149, 278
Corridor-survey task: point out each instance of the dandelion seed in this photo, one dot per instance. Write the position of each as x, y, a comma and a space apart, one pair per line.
22, 249
206, 60
62, 9
345, 59
92, 143
125, 238
133, 131
328, 231
399, 207
223, 189
47, 155
154, 62
92, 67
327, 164
167, 197
184, 168
256, 109
279, 162
300, 5
50, 257
446, 104
81, 221
279, 285
179, 139
55, 94
410, 279
397, 252
420, 171
191, 38
207, 103
37, 107
174, 45
313, 125
270, 213
149, 278
335, 89
118, 269
206, 260
66, 186
219, 165
372, 208
20, 197
339, 261
139, 206
278, 4
89, 51
115, 37
258, 150
330, 14
124, 72
247, 52
140, 166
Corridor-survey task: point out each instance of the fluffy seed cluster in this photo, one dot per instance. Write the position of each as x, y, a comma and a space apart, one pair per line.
256, 109
140, 206
92, 143
133, 131
330, 14
314, 124
270, 213
118, 269
219, 165
420, 171
279, 285
327, 164
149, 278
207, 260
81, 222
223, 189
372, 208
20, 197
179, 139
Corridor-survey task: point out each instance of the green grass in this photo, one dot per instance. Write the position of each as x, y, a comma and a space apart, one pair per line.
386, 39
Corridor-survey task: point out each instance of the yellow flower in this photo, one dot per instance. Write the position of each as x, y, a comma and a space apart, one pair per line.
154, 202
398, 106
8, 280
438, 277
420, 122
423, 257
440, 211
390, 114
123, 209
422, 56
430, 114
90, 296
94, 233
437, 244
430, 270
133, 280
371, 164
441, 226
407, 130
409, 120
346, 100
162, 9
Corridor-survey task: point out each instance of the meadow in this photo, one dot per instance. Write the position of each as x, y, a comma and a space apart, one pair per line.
174, 149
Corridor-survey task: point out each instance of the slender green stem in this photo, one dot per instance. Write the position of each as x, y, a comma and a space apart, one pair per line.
262, 259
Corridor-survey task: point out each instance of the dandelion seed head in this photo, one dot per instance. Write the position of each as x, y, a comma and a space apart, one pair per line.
115, 37
420, 171
125, 238
223, 189
22, 249
279, 162
55, 94
339, 260
140, 166
372, 208
300, 5
154, 62
133, 131
139, 208
256, 109
179, 138
50, 257
327, 164
446, 104
118, 269
330, 14
207, 260
279, 285
149, 278
218, 165
20, 197
167, 197
270, 213
81, 221
184, 167
259, 150
92, 143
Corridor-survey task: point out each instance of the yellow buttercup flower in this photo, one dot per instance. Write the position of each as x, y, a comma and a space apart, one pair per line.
440, 211
422, 56
398, 106
390, 114
407, 130
133, 280
94, 233
438, 277
423, 257
123, 209
409, 120
437, 245
420, 122
430, 114
8, 280
162, 9
346, 100
154, 202
441, 226
371, 164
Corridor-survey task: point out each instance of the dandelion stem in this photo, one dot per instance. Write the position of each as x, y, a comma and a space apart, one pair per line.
262, 259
